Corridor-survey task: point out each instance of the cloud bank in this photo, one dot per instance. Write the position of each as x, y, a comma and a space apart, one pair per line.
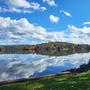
18, 30
22, 31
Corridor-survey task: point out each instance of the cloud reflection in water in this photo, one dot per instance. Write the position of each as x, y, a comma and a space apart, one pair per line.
16, 66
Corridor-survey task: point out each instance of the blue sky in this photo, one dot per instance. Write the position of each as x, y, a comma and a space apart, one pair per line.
39, 21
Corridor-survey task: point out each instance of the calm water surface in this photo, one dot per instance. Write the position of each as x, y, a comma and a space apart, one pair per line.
17, 66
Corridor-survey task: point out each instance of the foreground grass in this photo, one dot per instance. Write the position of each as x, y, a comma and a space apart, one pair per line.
70, 82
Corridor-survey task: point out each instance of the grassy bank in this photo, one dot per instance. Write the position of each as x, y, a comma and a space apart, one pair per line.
80, 81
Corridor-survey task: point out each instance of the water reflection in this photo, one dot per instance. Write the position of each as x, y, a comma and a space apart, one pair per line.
16, 66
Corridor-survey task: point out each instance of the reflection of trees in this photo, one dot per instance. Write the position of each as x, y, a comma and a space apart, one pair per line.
58, 52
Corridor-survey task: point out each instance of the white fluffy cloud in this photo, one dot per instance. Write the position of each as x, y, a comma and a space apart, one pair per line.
79, 35
66, 13
43, 8
54, 19
16, 5
86, 23
15, 10
23, 32
50, 2
21, 29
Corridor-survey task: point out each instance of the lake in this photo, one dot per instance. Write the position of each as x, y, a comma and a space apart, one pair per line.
17, 66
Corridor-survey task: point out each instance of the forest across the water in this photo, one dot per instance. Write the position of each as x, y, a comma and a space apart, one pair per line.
50, 48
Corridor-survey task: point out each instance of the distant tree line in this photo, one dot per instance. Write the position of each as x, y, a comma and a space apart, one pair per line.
47, 48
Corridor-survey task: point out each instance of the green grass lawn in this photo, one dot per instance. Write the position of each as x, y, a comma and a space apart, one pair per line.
70, 82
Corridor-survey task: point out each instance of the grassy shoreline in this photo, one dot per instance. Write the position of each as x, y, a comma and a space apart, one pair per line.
64, 81
34, 78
